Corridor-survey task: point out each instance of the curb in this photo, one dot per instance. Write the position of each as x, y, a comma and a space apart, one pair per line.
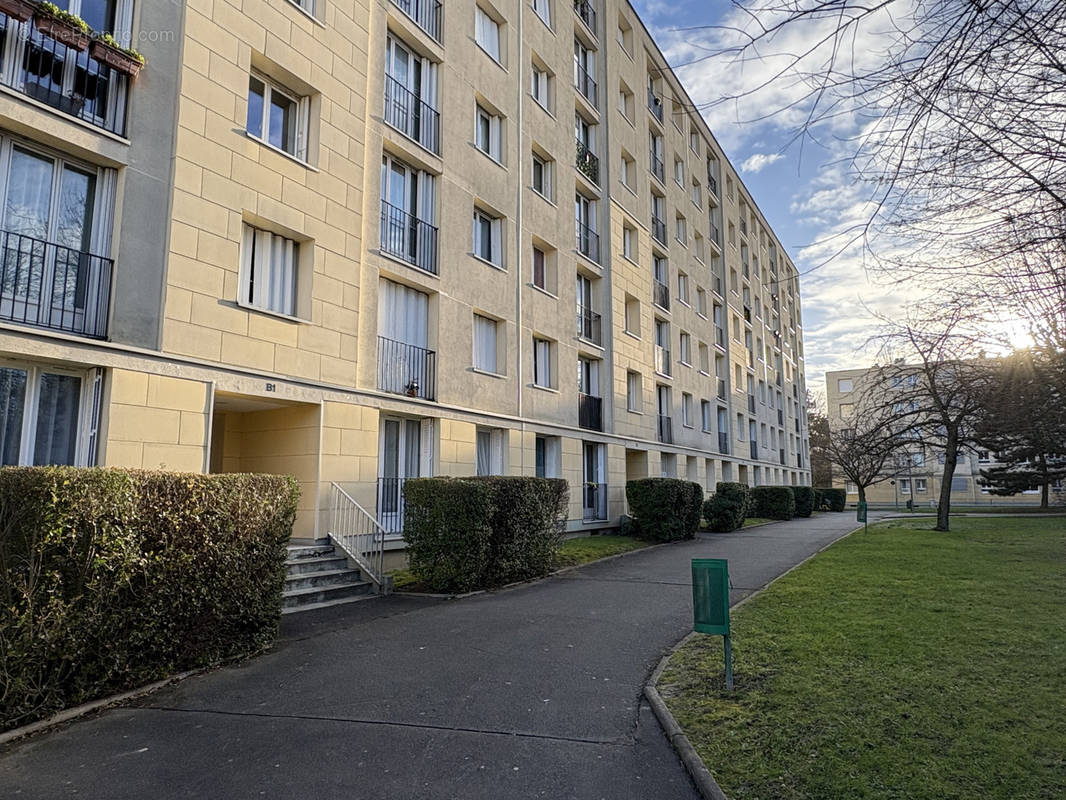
701, 776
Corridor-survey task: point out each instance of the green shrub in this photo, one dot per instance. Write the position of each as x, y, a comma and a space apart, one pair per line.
727, 508
664, 509
475, 533
819, 500
773, 502
804, 500
113, 578
833, 499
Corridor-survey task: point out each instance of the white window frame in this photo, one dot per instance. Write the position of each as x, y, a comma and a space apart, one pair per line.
492, 146
686, 410
253, 293
634, 392
495, 254
303, 117
542, 8
487, 34
629, 236
545, 189
87, 417
706, 417
494, 367
539, 89
542, 363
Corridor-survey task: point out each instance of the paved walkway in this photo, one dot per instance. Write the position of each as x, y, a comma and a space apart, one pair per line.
529, 693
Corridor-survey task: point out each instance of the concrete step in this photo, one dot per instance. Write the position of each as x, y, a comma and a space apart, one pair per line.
333, 577
304, 566
299, 599
309, 551
340, 601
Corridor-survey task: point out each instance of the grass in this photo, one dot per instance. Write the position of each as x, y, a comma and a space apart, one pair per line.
751, 521
900, 663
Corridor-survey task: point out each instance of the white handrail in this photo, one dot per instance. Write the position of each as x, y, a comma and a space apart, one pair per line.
357, 533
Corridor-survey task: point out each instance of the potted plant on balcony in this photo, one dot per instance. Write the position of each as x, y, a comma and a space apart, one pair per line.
19, 10
64, 27
107, 50
411, 390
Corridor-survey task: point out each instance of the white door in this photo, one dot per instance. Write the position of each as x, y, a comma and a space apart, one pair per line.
399, 458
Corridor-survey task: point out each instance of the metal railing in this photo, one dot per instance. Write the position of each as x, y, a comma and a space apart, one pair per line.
588, 241
585, 83
658, 230
69, 81
594, 502
406, 369
390, 505
590, 326
587, 14
51, 286
712, 184
662, 360
723, 443
407, 237
655, 105
425, 13
588, 163
660, 294
665, 429
590, 411
411, 116
355, 531
656, 166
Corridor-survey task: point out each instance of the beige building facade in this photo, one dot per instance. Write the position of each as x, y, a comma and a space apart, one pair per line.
360, 242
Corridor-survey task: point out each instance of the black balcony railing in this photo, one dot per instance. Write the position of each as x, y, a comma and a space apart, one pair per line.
666, 429
407, 237
723, 443
588, 241
585, 83
655, 105
590, 411
656, 166
46, 285
712, 184
425, 13
721, 389
660, 294
754, 451
410, 115
406, 369
662, 361
588, 162
658, 230
594, 502
589, 326
69, 81
586, 13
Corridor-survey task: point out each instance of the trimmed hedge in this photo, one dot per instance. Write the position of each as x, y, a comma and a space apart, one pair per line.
475, 533
727, 508
113, 578
664, 509
834, 499
773, 502
804, 500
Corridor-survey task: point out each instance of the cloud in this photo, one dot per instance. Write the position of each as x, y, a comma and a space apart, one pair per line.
756, 162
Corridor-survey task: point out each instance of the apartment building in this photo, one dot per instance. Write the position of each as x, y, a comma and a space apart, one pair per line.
334, 238
914, 475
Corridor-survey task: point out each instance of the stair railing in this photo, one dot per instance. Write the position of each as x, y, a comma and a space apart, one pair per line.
355, 531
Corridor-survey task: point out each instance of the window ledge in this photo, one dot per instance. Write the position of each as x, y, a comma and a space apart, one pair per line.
271, 313
485, 261
631, 334
543, 291
635, 411
279, 151
488, 373
537, 386
307, 14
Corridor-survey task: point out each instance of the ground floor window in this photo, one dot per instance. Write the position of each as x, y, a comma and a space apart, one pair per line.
489, 447
547, 456
42, 414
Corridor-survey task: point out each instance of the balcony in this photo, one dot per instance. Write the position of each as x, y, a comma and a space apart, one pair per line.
662, 361
588, 241
754, 451
63, 78
588, 163
411, 116
658, 229
723, 443
590, 411
424, 13
721, 394
585, 84
655, 105
656, 166
406, 369
47, 285
594, 502
589, 326
666, 429
408, 238
586, 13
660, 294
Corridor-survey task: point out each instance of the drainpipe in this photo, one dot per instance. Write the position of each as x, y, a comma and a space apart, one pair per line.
519, 245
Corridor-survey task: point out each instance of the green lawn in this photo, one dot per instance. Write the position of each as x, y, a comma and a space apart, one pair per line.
750, 521
900, 663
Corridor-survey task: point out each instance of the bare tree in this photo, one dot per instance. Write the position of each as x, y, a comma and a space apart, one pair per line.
818, 425
865, 447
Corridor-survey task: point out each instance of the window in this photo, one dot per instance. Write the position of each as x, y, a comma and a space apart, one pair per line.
487, 238
632, 320
686, 348
625, 102
487, 134
277, 116
489, 451
634, 392
547, 451
847, 410
540, 87
919, 485
697, 193
542, 8
540, 275
694, 141
41, 417
542, 177
679, 171
306, 5
705, 359
682, 230
542, 363
904, 486
851, 488
408, 199
629, 243
701, 302
486, 346
625, 36
982, 457
686, 409
682, 287
627, 172
268, 271
705, 415
487, 33
844, 385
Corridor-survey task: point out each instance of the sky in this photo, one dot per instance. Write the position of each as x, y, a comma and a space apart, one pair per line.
800, 186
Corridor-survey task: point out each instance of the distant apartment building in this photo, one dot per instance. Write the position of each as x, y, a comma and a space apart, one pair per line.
915, 474
361, 242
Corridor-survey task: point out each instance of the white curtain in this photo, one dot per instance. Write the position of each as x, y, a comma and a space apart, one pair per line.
403, 314
57, 420
487, 33
484, 343
542, 375
12, 408
270, 270
484, 452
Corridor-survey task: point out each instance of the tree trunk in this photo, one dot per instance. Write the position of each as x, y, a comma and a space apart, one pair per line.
1044, 482
862, 493
951, 460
